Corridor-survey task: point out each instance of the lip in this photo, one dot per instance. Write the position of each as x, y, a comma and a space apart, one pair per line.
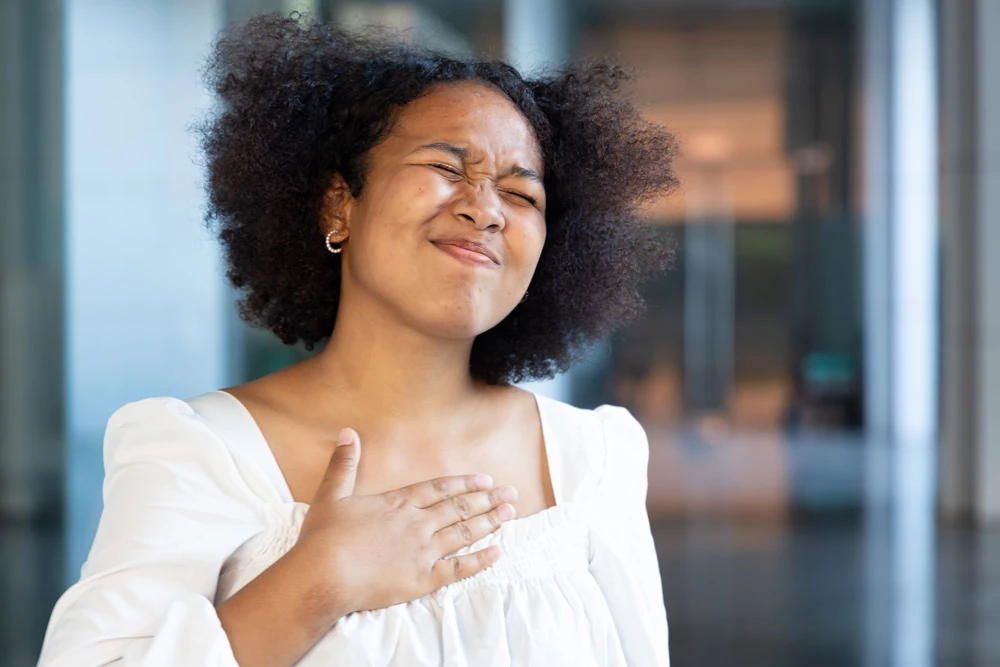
470, 251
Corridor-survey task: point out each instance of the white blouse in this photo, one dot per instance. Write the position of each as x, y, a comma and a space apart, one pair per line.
195, 507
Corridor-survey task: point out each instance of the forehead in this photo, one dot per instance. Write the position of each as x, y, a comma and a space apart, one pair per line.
473, 115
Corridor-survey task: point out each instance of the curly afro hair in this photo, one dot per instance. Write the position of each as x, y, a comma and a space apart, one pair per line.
303, 101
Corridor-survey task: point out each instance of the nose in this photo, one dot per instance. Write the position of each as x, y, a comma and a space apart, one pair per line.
480, 204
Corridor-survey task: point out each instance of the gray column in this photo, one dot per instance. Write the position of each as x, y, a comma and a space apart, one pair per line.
988, 220
146, 308
31, 266
958, 277
970, 178
31, 322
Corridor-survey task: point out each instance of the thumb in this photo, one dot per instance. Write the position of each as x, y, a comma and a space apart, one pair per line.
340, 474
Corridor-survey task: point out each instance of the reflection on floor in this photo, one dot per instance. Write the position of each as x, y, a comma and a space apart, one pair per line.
761, 594
737, 592
757, 594
31, 573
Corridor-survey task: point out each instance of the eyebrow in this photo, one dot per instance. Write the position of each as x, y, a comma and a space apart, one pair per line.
463, 155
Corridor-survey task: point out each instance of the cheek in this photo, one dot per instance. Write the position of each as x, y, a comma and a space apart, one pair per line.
419, 191
527, 239
399, 209
391, 229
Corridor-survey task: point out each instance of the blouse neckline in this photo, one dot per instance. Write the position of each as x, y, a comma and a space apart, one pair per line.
252, 438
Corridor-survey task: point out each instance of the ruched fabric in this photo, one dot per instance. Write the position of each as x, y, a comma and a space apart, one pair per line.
196, 507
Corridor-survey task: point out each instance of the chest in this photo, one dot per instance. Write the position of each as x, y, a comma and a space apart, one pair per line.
510, 448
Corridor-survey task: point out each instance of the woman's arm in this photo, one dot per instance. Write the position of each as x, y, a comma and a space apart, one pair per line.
623, 556
276, 618
175, 507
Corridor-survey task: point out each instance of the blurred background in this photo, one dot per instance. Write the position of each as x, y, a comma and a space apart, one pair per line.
814, 376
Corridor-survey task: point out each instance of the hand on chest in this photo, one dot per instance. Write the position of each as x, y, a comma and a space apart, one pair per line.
513, 453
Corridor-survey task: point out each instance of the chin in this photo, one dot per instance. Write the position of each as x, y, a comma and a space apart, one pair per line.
457, 316
461, 328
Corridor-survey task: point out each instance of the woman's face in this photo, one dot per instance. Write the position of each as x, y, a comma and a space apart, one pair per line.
460, 165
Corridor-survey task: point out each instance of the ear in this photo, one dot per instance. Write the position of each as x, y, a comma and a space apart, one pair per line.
337, 206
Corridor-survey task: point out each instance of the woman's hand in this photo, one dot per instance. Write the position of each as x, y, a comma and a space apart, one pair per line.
374, 551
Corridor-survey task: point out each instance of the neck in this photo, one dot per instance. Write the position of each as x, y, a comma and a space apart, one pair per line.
390, 379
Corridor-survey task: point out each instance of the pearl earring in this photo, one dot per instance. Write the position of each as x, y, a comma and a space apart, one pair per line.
330, 247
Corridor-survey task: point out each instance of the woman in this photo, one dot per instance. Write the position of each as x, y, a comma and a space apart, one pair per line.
451, 228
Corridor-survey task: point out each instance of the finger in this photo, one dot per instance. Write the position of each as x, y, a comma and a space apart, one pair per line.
432, 491
338, 481
468, 505
463, 533
450, 570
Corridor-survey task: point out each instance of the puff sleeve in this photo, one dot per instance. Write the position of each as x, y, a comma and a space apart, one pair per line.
623, 556
175, 507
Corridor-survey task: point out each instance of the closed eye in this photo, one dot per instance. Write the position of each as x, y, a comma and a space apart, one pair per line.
447, 168
527, 198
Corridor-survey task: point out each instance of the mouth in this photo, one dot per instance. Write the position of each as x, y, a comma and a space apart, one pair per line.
468, 253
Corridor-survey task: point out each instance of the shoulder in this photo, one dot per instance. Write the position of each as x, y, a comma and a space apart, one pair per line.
606, 427
170, 443
624, 437
158, 418
163, 423
170, 485
599, 449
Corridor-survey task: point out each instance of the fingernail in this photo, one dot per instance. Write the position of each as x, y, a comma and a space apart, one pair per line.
484, 481
508, 493
344, 438
506, 512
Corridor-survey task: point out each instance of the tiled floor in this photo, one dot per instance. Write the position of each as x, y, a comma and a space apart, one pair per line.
761, 595
756, 595
746, 594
